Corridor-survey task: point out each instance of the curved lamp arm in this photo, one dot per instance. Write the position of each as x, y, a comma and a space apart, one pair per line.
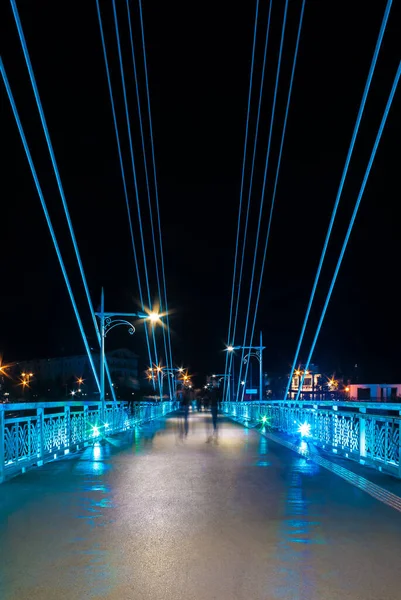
109, 324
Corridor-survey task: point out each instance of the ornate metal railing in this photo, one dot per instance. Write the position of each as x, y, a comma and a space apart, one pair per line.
34, 433
362, 431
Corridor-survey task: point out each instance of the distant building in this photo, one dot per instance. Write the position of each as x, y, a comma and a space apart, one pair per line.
310, 386
66, 372
383, 392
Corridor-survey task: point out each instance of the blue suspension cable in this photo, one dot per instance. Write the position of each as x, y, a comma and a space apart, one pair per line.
340, 188
123, 177
58, 178
230, 338
155, 183
48, 220
276, 178
148, 187
263, 189
127, 117
251, 182
361, 192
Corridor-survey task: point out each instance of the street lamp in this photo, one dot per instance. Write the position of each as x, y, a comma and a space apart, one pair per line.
255, 351
26, 379
165, 372
108, 322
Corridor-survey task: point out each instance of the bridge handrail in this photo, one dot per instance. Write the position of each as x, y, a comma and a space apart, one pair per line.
31, 439
365, 434
331, 403
13, 406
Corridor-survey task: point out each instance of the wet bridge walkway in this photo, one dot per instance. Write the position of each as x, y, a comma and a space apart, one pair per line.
152, 515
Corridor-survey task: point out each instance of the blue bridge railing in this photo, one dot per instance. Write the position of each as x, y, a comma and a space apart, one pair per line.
364, 431
34, 433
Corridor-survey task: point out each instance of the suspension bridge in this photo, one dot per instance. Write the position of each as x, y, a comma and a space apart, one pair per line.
284, 500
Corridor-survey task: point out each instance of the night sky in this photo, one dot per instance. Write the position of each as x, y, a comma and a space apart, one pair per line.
199, 57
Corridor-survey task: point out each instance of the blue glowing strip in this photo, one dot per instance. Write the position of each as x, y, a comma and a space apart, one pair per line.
251, 181
340, 189
48, 221
230, 337
123, 176
156, 187
263, 191
127, 117
361, 191
147, 183
277, 174
58, 178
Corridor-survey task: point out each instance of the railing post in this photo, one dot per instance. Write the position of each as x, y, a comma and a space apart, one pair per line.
362, 432
41, 433
85, 432
399, 457
2, 441
67, 425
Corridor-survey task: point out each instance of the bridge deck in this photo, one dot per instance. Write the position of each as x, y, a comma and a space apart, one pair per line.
152, 516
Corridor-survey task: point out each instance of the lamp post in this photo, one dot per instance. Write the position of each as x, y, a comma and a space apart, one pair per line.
26, 380
172, 373
257, 352
222, 377
164, 372
109, 320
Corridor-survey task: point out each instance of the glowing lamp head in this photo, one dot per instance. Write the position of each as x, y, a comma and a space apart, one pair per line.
230, 348
264, 419
304, 429
242, 382
347, 389
154, 317
95, 431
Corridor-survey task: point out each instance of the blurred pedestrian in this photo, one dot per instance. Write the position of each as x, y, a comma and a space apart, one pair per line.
213, 398
185, 401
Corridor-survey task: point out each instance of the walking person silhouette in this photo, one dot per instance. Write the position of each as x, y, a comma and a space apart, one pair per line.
214, 408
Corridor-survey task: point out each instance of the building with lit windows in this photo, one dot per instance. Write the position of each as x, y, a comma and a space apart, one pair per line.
67, 374
382, 392
311, 385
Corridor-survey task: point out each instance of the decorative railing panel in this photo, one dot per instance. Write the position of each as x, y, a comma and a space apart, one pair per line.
363, 431
34, 433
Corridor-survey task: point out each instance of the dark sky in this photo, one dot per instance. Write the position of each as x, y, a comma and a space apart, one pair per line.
199, 63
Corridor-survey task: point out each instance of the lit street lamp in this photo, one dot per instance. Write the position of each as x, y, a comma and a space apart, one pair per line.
257, 352
165, 372
108, 322
26, 379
